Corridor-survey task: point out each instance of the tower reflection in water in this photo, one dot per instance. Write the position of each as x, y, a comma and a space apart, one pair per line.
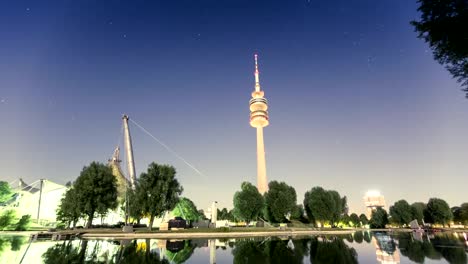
385, 248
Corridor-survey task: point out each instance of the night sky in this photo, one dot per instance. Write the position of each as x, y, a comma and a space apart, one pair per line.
356, 100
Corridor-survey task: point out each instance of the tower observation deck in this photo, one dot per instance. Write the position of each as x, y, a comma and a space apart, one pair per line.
259, 120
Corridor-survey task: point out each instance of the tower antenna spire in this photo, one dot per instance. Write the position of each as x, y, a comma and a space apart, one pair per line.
257, 74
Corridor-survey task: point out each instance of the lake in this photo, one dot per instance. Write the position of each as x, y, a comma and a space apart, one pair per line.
360, 247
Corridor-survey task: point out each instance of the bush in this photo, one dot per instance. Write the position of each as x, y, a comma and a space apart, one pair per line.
6, 219
23, 223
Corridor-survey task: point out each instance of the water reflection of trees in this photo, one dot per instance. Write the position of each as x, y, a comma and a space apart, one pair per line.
319, 250
331, 251
70, 252
135, 253
66, 252
269, 250
14, 242
358, 237
440, 246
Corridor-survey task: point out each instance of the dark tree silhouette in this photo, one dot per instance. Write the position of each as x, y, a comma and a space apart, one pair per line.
443, 25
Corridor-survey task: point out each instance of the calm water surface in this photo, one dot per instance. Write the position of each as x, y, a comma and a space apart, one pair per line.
360, 247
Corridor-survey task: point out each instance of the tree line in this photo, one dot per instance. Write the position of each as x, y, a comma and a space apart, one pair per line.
435, 211
157, 191
322, 207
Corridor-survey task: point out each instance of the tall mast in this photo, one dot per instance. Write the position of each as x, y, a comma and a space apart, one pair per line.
259, 120
129, 152
257, 73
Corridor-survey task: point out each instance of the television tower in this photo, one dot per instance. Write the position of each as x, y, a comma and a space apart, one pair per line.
259, 120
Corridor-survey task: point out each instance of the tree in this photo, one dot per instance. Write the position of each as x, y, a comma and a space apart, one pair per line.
23, 223
68, 212
280, 201
158, 190
5, 192
417, 211
345, 220
95, 190
437, 212
186, 209
318, 204
299, 213
460, 213
6, 218
443, 26
339, 206
401, 212
323, 206
379, 218
354, 219
464, 213
223, 214
248, 202
135, 209
363, 219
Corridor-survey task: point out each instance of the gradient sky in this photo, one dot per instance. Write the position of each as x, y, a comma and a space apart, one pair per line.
356, 100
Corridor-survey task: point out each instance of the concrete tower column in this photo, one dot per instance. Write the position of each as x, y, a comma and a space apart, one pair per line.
262, 184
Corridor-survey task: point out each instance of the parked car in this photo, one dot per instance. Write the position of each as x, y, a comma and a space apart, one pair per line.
177, 222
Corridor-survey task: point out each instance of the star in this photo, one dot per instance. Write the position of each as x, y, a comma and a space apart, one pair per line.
125, 35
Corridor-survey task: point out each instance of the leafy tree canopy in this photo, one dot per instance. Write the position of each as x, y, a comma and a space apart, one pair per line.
5, 192
443, 26
437, 212
280, 201
379, 218
158, 190
95, 190
401, 212
225, 214
324, 206
68, 212
248, 202
354, 219
23, 223
417, 211
464, 213
363, 219
6, 218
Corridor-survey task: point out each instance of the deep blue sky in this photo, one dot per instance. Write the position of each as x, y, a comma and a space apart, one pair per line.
356, 100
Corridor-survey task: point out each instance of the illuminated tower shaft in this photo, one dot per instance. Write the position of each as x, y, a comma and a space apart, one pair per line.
259, 120
129, 152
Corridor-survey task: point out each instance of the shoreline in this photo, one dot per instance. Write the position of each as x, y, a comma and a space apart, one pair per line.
90, 234
188, 235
